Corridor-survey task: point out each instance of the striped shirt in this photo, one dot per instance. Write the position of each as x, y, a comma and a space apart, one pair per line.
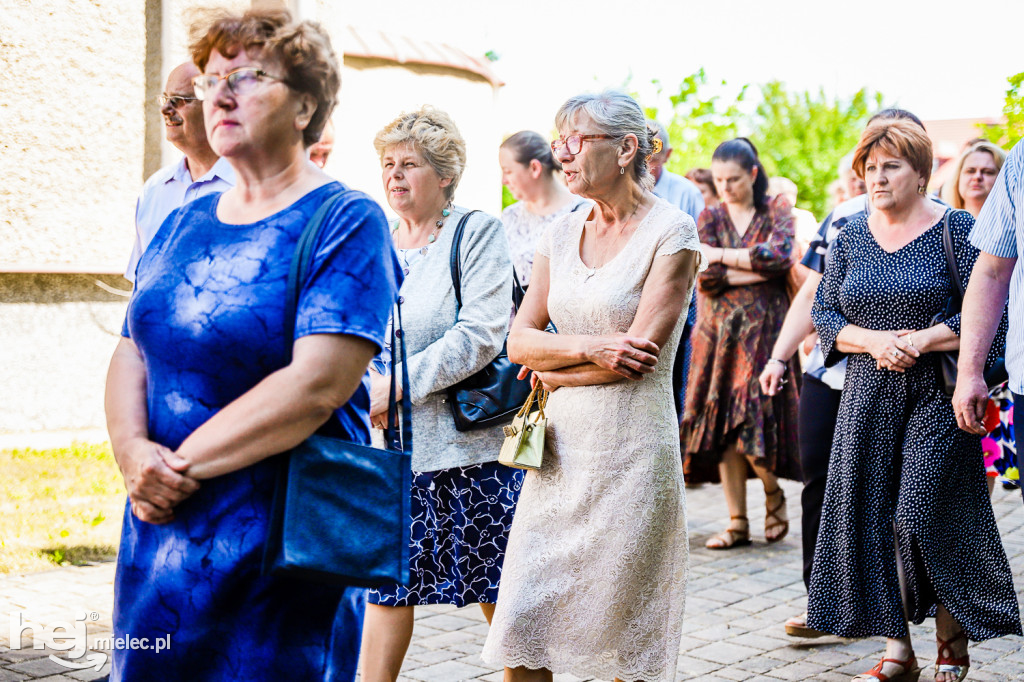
999, 231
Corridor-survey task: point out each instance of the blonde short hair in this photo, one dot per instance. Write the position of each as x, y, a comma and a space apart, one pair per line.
951, 190
435, 136
899, 137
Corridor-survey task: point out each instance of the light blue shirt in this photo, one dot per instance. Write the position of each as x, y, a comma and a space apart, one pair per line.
680, 192
999, 231
166, 190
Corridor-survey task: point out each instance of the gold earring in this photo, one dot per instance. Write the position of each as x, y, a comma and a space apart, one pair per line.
921, 190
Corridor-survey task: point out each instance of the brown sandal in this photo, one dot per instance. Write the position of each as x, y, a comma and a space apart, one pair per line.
772, 519
731, 537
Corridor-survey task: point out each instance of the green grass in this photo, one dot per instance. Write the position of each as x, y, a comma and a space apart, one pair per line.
58, 507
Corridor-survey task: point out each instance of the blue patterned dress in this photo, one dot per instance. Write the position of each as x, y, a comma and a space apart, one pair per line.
900, 468
207, 317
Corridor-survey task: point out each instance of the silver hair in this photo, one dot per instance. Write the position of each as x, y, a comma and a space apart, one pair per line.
617, 114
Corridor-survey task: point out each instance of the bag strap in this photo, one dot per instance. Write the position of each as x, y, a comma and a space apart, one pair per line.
455, 260
298, 273
455, 265
947, 246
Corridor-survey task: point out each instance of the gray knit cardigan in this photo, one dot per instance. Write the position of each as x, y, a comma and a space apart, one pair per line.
444, 349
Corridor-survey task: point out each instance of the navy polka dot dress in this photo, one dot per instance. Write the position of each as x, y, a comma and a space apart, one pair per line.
900, 467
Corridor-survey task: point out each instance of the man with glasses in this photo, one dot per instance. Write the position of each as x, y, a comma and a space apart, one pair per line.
198, 173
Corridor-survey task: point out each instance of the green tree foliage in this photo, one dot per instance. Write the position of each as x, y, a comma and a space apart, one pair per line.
800, 135
803, 135
698, 122
1009, 133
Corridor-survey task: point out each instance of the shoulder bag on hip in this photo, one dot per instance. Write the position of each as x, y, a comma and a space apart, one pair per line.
994, 375
493, 395
341, 511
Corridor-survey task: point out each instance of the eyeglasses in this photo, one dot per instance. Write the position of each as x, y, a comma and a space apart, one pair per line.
574, 143
176, 101
242, 81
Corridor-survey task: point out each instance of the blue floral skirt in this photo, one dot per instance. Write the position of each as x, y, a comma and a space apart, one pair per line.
460, 522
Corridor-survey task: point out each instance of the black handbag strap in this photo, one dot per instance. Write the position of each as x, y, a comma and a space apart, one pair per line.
947, 246
455, 265
298, 273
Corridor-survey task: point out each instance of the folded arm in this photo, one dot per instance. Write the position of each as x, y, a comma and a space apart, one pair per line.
665, 295
529, 345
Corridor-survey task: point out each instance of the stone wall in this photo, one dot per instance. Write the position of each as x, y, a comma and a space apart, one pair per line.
80, 131
71, 153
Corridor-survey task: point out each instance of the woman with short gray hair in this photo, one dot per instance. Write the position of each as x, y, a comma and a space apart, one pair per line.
594, 579
462, 499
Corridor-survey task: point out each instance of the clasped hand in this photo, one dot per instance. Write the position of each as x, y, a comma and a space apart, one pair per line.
894, 350
630, 356
155, 478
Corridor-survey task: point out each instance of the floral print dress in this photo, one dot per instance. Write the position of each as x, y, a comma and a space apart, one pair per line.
732, 341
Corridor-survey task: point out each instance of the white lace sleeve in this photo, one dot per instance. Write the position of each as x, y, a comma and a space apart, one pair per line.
681, 233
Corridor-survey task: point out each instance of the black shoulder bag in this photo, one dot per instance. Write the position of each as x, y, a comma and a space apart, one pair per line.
341, 511
493, 395
994, 375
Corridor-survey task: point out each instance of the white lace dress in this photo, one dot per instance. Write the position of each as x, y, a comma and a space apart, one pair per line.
594, 580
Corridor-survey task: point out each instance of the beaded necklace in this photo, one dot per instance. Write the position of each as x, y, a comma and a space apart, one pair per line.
404, 253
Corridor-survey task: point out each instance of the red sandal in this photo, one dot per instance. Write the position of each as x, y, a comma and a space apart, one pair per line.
910, 671
946, 663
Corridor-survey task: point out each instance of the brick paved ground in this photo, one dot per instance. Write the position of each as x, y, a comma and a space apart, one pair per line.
733, 629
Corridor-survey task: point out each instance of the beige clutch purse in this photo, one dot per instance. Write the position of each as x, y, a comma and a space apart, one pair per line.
524, 437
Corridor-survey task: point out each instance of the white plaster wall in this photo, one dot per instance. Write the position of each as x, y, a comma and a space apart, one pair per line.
71, 126
57, 333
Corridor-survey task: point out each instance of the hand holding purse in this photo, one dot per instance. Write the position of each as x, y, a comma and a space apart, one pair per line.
524, 437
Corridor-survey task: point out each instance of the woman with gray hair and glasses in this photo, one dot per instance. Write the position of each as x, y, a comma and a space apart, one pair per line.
595, 570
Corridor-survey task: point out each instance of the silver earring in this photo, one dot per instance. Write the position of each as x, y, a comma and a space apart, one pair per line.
622, 170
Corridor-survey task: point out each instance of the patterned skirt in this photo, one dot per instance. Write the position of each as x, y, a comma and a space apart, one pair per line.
998, 446
460, 522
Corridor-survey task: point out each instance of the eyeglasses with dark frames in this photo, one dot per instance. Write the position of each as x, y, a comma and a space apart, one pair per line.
574, 143
241, 81
176, 101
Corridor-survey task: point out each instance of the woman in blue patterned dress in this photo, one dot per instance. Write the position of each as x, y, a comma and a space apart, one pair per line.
902, 476
462, 499
201, 395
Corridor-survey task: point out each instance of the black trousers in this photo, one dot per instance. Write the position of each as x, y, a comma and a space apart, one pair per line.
819, 408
